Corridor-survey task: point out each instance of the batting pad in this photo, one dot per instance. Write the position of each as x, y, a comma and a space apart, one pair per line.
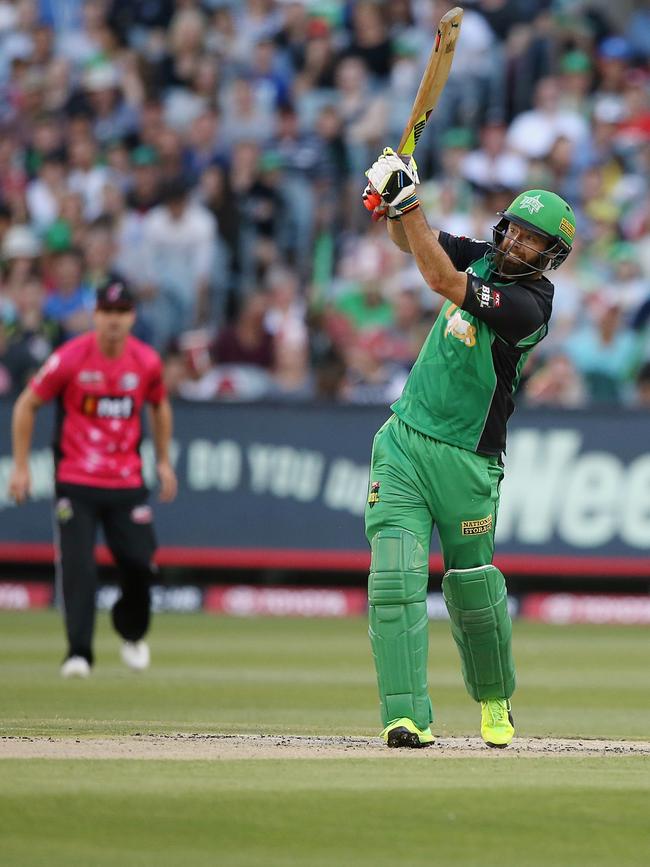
477, 603
398, 625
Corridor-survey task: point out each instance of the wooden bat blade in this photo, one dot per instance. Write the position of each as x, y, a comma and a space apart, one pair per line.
433, 80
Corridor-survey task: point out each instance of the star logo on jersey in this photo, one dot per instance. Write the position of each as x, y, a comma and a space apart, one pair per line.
459, 328
531, 204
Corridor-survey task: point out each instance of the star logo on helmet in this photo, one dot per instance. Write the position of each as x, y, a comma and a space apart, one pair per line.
531, 204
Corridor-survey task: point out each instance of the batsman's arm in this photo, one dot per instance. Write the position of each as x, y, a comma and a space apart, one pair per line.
22, 428
398, 236
433, 263
161, 430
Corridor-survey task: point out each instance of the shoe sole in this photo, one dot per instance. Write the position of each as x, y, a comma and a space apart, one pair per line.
402, 737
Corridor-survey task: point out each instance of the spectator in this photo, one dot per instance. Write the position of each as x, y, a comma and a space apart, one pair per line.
29, 336
370, 40
247, 115
605, 354
204, 141
20, 252
364, 112
87, 177
178, 245
556, 383
370, 378
533, 133
100, 252
113, 117
243, 359
145, 180
71, 302
494, 163
402, 342
285, 316
248, 340
361, 303
45, 192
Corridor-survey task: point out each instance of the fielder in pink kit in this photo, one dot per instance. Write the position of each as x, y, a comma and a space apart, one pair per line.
101, 382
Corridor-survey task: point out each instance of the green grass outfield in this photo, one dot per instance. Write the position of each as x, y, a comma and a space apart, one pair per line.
222, 675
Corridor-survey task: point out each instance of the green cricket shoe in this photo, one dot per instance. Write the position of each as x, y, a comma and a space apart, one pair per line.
404, 733
497, 724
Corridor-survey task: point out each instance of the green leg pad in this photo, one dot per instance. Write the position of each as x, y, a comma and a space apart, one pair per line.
477, 603
398, 628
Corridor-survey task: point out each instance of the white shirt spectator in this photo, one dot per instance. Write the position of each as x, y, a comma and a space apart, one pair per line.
179, 253
507, 170
42, 203
90, 184
533, 133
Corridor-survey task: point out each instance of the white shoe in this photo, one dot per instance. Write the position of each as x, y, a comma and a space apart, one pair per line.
136, 655
75, 666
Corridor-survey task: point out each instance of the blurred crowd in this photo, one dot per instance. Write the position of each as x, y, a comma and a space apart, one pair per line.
212, 154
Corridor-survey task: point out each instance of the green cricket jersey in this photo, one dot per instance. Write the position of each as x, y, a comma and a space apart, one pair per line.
460, 390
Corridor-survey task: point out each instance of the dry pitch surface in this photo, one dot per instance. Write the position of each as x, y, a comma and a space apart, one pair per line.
211, 747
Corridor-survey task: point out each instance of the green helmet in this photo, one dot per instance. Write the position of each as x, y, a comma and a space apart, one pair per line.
546, 214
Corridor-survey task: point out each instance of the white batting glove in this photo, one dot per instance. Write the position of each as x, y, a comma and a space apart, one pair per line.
395, 181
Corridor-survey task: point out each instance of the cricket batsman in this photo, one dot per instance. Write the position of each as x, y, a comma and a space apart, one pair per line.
101, 382
437, 460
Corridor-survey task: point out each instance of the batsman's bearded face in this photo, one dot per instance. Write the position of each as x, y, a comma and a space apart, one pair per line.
518, 250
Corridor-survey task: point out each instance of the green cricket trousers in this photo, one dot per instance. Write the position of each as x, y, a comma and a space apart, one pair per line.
416, 483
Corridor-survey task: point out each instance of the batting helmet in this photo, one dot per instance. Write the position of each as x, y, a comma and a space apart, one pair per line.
547, 215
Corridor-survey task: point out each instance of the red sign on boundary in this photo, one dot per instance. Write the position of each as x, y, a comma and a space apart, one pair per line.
21, 595
563, 608
248, 601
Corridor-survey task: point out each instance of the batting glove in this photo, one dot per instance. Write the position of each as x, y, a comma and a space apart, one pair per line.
395, 180
374, 203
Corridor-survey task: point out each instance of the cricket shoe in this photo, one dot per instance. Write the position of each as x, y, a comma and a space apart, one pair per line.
497, 724
136, 655
75, 666
404, 733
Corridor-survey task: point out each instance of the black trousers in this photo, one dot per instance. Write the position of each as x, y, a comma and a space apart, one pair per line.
126, 521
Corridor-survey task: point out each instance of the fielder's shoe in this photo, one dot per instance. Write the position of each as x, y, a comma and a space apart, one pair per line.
136, 655
75, 666
497, 724
404, 733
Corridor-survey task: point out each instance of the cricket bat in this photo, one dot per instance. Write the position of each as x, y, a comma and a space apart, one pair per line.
431, 85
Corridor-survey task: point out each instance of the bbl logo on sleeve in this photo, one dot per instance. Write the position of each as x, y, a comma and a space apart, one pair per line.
487, 296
